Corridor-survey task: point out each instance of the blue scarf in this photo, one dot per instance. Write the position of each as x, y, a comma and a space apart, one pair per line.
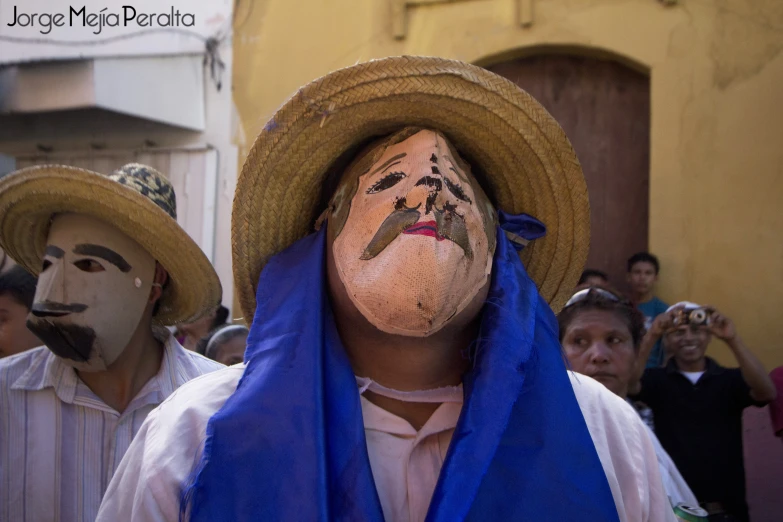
289, 443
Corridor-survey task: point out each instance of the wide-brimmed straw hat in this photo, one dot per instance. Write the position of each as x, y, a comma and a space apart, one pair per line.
137, 200
506, 135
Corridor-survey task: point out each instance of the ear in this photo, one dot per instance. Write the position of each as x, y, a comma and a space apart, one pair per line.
161, 276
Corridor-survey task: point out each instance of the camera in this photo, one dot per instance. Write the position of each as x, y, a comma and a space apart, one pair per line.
695, 317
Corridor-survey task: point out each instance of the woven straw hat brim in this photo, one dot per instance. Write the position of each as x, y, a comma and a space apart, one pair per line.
500, 129
31, 196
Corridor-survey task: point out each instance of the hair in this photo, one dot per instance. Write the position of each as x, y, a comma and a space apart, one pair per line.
591, 272
164, 286
218, 323
221, 336
221, 316
20, 285
622, 308
201, 345
644, 257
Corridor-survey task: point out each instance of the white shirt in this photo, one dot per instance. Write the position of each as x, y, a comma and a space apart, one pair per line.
59, 443
147, 483
693, 376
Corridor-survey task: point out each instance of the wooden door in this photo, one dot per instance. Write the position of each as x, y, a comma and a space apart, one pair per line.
604, 108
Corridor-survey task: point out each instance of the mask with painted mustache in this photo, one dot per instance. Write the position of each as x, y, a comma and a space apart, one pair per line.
69, 341
414, 185
447, 225
92, 291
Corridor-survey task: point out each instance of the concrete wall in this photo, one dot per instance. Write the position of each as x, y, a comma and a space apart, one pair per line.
152, 28
716, 180
73, 132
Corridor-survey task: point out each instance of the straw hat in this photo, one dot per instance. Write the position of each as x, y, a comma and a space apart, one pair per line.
137, 200
506, 135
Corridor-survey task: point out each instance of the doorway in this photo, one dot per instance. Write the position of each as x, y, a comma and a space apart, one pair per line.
604, 108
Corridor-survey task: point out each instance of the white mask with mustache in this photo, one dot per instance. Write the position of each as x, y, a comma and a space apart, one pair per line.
417, 244
91, 293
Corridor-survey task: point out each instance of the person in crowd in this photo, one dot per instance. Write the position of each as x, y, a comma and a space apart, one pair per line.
401, 362
643, 269
190, 334
697, 403
17, 288
600, 332
114, 268
776, 406
227, 345
590, 276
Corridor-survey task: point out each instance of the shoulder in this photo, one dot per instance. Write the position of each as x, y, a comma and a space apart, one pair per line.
624, 449
188, 364
653, 383
148, 482
202, 364
660, 306
654, 374
723, 373
179, 424
598, 403
203, 396
14, 366
609, 418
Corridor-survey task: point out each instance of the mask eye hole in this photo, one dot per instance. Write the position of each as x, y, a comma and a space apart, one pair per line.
46, 264
386, 182
88, 265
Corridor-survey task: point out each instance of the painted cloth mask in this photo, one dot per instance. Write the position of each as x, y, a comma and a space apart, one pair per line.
91, 293
414, 234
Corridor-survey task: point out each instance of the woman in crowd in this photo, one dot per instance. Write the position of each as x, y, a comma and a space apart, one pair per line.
600, 332
226, 345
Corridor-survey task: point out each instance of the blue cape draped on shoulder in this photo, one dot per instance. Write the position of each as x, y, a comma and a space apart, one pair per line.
289, 443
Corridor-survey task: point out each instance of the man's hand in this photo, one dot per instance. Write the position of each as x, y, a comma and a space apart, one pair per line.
664, 322
722, 327
761, 387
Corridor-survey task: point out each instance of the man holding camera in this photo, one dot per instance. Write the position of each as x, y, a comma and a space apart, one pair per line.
697, 404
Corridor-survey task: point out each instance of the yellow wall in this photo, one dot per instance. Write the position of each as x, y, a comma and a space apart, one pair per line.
716, 73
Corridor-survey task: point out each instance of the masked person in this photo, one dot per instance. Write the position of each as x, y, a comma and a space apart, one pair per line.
114, 268
697, 403
401, 363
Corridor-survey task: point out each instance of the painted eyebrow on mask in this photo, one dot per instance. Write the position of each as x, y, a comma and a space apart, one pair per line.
459, 174
456, 190
53, 251
104, 253
388, 163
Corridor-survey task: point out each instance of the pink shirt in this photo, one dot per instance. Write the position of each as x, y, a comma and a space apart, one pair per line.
406, 463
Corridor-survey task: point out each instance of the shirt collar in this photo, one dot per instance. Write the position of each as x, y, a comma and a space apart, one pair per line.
443, 419
710, 367
46, 370
49, 371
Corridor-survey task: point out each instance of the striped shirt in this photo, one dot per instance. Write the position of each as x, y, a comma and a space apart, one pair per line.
59, 443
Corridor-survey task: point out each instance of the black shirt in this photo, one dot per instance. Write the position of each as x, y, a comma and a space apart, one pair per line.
700, 426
